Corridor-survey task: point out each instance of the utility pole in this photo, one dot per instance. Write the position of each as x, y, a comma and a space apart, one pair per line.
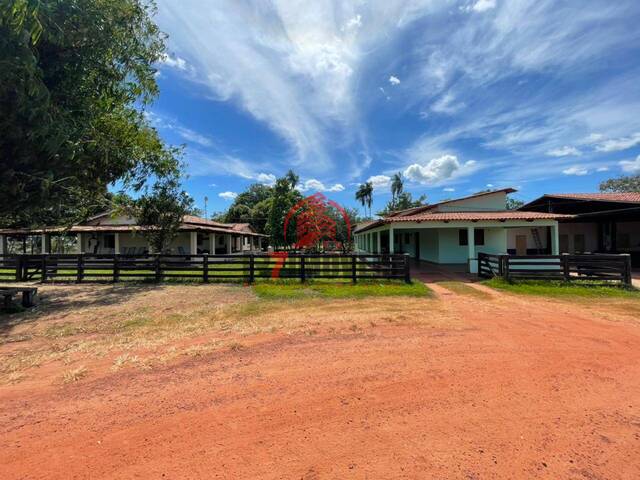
206, 199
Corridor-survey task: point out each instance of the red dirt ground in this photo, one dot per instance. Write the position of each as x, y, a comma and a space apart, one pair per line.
528, 388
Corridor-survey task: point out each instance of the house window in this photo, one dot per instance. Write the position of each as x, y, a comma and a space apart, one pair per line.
110, 241
463, 237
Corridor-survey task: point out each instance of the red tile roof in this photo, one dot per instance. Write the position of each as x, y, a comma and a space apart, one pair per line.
476, 216
631, 197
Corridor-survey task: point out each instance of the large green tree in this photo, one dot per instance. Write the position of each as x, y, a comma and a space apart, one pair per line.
75, 78
284, 197
251, 206
621, 184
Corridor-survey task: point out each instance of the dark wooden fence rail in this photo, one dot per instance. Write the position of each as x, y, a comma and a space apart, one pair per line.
247, 268
599, 267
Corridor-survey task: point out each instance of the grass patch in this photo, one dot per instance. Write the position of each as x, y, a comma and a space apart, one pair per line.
296, 290
564, 289
74, 375
464, 289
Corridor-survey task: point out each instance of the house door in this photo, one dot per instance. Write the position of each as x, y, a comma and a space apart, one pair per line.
521, 244
564, 243
578, 243
417, 240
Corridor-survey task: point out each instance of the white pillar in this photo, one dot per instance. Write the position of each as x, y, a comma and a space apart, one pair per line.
212, 244
46, 243
80, 242
3, 245
229, 240
193, 244
392, 248
471, 245
555, 240
116, 243
379, 242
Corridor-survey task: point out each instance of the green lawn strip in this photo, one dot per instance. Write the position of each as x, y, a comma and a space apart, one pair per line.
283, 289
585, 289
464, 289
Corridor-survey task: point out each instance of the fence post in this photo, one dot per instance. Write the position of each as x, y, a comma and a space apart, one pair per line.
354, 271
80, 268
116, 267
501, 262
303, 273
158, 270
627, 269
481, 261
44, 269
205, 267
564, 261
18, 268
252, 267
407, 269
506, 268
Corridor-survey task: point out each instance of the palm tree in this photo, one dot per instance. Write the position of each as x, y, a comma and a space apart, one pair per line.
361, 196
292, 178
368, 187
364, 195
397, 186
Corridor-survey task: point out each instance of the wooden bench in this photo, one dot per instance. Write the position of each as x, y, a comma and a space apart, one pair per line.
29, 296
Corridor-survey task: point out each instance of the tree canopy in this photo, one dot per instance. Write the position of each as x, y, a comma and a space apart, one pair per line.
621, 184
75, 78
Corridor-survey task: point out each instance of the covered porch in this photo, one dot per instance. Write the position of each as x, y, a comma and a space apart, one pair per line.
458, 243
124, 242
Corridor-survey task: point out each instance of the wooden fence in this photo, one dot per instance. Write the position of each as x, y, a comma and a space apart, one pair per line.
599, 267
245, 268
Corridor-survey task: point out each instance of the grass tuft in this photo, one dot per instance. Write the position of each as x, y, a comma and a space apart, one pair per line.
564, 289
74, 375
290, 290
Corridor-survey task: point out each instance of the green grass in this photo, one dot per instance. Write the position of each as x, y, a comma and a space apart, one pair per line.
282, 289
583, 289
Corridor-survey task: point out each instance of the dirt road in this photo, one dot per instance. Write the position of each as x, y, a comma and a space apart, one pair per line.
511, 388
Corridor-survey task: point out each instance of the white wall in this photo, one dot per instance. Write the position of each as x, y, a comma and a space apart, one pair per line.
512, 233
490, 202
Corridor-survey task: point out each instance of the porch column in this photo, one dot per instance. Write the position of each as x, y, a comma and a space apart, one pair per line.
212, 244
229, 240
46, 243
193, 243
555, 239
379, 246
471, 245
116, 243
3, 245
392, 248
80, 242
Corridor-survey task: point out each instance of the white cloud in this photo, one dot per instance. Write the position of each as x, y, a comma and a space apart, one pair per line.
393, 80
438, 170
174, 62
354, 23
187, 134
631, 166
564, 152
380, 181
489, 185
228, 195
449, 189
316, 185
447, 104
602, 169
266, 179
576, 170
617, 144
484, 5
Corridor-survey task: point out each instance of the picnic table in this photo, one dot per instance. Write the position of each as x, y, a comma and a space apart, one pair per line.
29, 295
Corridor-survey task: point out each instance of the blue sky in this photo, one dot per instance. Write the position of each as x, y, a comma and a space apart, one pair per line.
459, 96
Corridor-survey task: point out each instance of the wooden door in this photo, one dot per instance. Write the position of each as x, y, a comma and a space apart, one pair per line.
578, 243
521, 244
564, 243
